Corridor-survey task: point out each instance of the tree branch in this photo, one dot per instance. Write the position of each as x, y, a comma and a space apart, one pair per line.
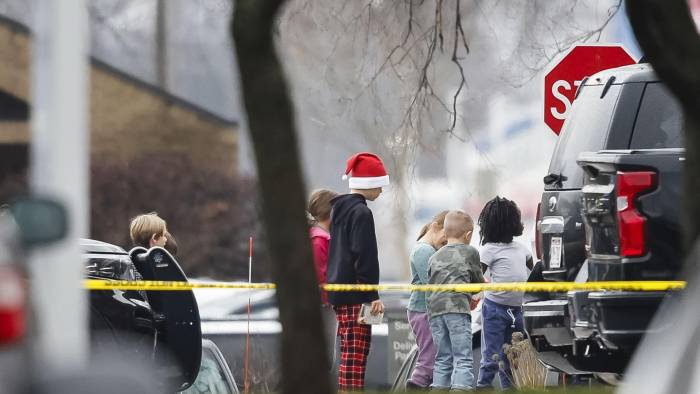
459, 32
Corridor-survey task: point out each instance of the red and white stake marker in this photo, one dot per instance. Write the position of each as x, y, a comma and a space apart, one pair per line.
246, 385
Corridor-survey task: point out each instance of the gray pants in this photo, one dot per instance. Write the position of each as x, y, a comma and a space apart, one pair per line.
330, 332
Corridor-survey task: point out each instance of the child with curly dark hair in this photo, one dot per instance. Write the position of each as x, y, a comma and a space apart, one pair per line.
503, 260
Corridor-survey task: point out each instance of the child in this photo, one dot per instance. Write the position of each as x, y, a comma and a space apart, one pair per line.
431, 238
319, 208
353, 259
505, 261
450, 318
148, 230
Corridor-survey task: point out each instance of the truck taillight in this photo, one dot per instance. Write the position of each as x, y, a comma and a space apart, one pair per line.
631, 224
538, 233
12, 305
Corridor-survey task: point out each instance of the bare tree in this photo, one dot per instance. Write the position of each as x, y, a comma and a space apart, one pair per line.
272, 126
424, 44
403, 78
669, 38
392, 126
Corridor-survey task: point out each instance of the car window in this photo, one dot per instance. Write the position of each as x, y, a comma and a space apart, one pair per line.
235, 306
110, 267
211, 378
585, 130
659, 121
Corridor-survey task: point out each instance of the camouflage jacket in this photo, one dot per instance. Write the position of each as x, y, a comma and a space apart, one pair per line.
452, 264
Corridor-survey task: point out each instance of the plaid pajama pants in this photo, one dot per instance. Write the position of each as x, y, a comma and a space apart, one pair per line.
354, 347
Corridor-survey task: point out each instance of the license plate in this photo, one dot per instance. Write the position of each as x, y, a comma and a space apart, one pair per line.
555, 253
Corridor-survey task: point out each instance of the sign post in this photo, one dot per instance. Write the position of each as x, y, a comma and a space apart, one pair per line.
562, 81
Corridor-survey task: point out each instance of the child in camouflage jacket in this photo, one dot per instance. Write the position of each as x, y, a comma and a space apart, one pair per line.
449, 312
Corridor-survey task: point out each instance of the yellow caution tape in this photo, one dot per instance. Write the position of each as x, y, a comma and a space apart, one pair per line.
98, 284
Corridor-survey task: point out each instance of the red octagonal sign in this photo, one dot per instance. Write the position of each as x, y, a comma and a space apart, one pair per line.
562, 80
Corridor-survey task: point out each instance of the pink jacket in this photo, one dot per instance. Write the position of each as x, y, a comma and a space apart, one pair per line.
320, 239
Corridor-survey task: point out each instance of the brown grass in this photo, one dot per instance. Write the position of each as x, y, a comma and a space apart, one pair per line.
528, 372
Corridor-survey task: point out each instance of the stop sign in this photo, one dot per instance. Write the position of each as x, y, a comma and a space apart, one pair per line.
562, 80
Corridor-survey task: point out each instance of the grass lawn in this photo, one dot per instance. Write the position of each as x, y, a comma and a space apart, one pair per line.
596, 389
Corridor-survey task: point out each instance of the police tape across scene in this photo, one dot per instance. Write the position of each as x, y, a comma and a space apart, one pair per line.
98, 284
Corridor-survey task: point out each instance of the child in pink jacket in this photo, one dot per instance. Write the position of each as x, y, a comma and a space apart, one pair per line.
319, 208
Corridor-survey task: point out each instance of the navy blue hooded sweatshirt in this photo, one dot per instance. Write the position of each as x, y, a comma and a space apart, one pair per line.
352, 256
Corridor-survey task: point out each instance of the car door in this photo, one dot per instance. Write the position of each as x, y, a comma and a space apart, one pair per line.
179, 343
214, 374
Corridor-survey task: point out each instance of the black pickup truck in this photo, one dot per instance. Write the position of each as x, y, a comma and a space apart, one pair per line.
610, 211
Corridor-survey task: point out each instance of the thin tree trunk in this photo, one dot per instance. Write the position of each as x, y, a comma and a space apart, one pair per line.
670, 41
161, 45
271, 120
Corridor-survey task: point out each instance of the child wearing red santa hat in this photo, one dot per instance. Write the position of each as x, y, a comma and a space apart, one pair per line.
353, 259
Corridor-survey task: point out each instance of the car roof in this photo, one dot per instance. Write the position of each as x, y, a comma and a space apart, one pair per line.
642, 72
94, 246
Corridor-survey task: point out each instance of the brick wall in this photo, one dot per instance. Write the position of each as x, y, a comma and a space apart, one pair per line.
128, 118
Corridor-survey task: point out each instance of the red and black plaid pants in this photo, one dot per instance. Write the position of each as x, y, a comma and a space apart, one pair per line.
355, 339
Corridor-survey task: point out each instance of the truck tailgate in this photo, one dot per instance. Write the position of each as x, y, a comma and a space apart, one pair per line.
633, 229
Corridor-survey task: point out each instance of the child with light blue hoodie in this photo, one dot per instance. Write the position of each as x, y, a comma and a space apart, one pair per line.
431, 238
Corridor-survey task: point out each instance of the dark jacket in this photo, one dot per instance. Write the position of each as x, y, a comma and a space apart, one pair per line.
352, 254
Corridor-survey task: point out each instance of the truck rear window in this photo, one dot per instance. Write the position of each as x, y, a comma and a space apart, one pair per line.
585, 130
659, 121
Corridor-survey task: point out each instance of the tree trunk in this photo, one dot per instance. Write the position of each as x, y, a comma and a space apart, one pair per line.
304, 362
670, 41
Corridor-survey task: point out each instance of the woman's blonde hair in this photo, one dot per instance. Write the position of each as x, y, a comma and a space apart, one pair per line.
319, 206
144, 227
439, 219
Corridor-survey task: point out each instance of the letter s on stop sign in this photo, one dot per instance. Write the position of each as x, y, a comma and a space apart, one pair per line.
563, 78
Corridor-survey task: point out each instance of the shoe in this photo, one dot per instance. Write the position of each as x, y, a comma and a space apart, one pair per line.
410, 386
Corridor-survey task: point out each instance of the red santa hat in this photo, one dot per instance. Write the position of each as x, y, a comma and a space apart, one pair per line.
368, 171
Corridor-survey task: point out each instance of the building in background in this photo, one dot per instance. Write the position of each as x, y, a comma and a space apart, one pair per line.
150, 151
128, 117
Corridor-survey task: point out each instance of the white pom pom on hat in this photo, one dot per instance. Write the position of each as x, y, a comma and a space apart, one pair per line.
368, 171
